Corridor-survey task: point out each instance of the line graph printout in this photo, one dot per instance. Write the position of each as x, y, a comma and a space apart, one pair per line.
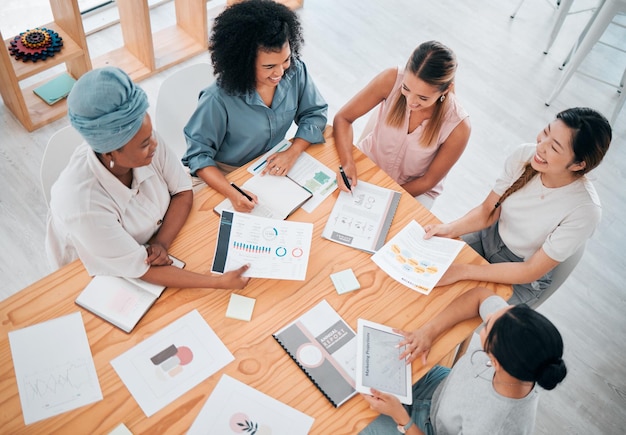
54, 367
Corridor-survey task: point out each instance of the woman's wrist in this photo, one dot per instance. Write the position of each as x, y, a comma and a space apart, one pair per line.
402, 417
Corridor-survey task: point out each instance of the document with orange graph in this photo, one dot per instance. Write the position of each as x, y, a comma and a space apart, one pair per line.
415, 262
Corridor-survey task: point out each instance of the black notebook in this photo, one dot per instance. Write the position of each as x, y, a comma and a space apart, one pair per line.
324, 347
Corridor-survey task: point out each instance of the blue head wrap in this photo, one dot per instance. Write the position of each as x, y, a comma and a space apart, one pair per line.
107, 108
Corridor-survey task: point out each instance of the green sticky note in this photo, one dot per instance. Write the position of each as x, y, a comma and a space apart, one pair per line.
240, 307
56, 89
345, 281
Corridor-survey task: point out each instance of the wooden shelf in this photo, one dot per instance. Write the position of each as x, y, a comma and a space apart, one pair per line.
144, 53
32, 112
70, 50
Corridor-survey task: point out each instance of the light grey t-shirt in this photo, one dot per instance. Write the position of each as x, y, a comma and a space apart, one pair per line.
465, 402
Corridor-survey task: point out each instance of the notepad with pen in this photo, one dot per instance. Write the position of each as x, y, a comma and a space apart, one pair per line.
55, 89
278, 197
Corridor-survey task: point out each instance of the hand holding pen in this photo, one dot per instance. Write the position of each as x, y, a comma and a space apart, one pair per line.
243, 201
348, 180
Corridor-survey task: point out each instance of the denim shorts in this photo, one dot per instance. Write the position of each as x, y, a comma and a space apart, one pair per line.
490, 246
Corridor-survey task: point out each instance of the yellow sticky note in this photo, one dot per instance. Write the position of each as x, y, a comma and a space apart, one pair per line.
240, 307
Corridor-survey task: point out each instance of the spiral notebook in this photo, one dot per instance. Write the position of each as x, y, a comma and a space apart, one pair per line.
362, 219
324, 347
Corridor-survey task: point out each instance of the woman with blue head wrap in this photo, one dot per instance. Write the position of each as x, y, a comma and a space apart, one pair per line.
122, 190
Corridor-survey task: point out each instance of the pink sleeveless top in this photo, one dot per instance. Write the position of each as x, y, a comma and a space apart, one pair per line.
399, 153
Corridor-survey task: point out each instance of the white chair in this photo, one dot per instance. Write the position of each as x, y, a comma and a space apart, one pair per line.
176, 101
559, 275
57, 154
604, 17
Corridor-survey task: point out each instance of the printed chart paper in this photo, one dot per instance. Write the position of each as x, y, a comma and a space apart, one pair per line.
236, 408
171, 362
417, 263
54, 367
362, 219
309, 172
273, 248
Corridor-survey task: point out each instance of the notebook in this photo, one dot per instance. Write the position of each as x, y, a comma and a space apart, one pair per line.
278, 197
324, 347
121, 301
55, 89
362, 219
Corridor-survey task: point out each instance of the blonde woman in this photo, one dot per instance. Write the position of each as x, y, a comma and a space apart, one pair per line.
421, 130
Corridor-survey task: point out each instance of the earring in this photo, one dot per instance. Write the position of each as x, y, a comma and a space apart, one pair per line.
442, 98
111, 164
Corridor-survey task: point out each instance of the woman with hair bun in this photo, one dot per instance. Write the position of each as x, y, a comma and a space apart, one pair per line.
421, 129
493, 387
541, 210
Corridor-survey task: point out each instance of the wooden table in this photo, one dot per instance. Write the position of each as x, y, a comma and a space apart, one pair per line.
259, 361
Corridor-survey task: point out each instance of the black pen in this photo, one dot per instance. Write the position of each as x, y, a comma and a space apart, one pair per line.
345, 180
241, 191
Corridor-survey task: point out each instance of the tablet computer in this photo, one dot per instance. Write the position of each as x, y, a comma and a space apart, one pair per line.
378, 363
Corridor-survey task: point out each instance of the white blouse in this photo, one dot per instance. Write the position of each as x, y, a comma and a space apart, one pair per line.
96, 218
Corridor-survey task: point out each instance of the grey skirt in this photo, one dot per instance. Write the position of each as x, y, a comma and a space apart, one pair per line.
490, 246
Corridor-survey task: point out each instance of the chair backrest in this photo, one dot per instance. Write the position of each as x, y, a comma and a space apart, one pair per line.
176, 101
559, 275
57, 154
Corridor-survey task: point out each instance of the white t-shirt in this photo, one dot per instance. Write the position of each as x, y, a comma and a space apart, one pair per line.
558, 219
96, 218
466, 402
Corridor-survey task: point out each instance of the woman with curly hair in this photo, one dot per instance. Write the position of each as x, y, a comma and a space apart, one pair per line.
421, 129
541, 210
492, 389
262, 87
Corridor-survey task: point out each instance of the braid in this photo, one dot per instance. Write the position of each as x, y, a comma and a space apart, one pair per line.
523, 179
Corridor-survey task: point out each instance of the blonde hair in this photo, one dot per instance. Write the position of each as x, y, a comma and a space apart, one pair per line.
435, 64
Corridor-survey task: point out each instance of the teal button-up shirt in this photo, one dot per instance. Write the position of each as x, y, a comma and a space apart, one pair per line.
235, 129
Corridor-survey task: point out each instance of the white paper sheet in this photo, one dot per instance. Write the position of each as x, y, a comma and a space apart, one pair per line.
54, 367
309, 172
234, 407
171, 362
417, 263
274, 249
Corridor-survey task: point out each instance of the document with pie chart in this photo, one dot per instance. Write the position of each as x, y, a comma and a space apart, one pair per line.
274, 249
415, 262
171, 362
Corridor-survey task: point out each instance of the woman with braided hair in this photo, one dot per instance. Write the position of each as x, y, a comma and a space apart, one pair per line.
540, 211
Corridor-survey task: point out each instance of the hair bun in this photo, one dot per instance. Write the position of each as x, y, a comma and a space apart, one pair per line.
551, 373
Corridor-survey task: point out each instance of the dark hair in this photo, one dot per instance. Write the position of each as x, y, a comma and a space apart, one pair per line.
527, 346
591, 137
240, 31
435, 64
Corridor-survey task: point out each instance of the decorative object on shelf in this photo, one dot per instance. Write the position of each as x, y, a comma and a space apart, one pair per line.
36, 44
